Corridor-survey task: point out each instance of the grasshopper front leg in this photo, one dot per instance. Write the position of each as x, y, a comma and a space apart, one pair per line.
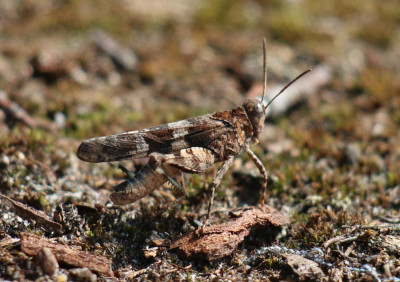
262, 170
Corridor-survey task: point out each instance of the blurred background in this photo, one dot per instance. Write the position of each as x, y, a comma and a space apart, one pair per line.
59, 56
72, 70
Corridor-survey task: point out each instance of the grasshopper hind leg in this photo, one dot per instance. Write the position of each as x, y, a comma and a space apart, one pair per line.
161, 168
145, 181
191, 160
177, 189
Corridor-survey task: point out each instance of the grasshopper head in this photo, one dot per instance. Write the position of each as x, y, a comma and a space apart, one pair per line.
256, 112
255, 109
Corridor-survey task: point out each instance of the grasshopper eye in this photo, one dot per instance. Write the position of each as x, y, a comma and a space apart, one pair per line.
259, 108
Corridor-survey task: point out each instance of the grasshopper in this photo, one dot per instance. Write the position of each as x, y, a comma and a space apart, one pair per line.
187, 146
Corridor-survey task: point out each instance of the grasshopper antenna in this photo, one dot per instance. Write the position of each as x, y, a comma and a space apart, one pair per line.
265, 69
286, 86
266, 76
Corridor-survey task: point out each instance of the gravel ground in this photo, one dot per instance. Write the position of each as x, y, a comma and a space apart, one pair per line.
72, 70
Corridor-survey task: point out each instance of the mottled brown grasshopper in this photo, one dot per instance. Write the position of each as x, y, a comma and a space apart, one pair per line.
190, 146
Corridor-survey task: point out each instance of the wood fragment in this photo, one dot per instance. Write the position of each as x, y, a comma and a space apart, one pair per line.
122, 57
31, 244
49, 65
218, 241
306, 269
159, 242
8, 241
150, 253
14, 112
390, 243
335, 274
132, 274
47, 261
363, 236
29, 213
82, 274
336, 240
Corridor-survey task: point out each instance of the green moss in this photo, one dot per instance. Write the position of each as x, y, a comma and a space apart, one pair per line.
195, 184
340, 118
90, 234
94, 123
393, 178
86, 15
377, 31
316, 231
380, 85
133, 117
225, 13
288, 24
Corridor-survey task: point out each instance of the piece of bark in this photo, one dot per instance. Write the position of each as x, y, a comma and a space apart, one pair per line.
31, 244
150, 253
122, 57
218, 241
29, 213
159, 242
82, 274
50, 65
47, 261
8, 241
130, 275
14, 112
391, 243
304, 268
335, 274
